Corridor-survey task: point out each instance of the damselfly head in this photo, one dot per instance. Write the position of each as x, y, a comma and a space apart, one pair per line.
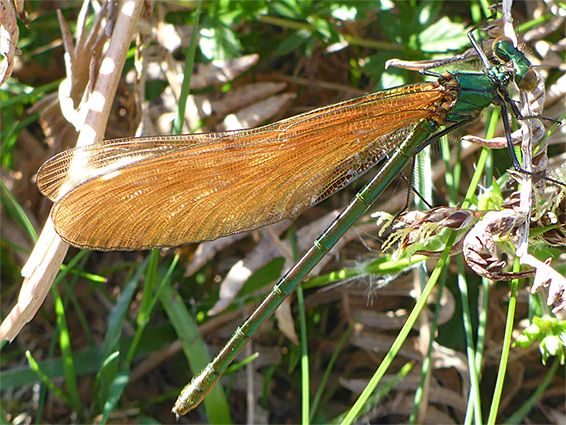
524, 75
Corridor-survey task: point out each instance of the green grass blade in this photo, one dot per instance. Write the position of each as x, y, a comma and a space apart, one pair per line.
34, 366
186, 85
195, 350
427, 361
66, 351
526, 407
111, 374
506, 346
305, 380
14, 210
475, 396
326, 376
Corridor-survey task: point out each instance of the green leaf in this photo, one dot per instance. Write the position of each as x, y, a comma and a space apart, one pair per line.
443, 35
218, 41
116, 389
293, 42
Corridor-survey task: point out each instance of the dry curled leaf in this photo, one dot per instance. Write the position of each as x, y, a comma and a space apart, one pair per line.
480, 250
547, 277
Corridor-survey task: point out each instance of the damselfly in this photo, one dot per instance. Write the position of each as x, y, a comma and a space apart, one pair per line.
163, 191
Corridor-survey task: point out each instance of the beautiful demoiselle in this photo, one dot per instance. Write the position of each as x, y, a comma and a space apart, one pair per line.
153, 192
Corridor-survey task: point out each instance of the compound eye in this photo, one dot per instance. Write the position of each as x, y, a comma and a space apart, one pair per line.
500, 47
528, 81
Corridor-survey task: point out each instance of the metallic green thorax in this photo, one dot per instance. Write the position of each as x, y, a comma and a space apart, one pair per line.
476, 91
